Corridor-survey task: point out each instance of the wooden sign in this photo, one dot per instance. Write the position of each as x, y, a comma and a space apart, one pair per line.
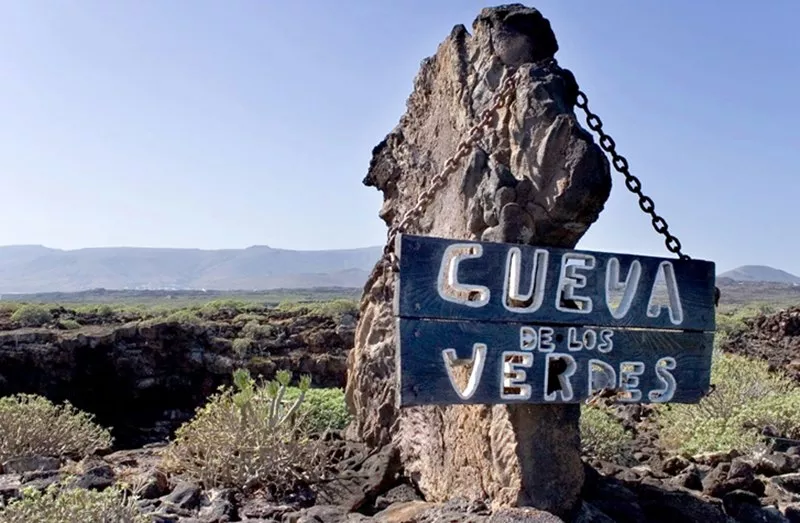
485, 322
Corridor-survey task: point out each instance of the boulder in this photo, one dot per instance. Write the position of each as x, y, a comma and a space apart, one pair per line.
537, 177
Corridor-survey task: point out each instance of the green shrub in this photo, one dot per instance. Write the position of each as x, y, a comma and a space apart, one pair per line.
242, 346
334, 309
248, 433
184, 316
337, 308
323, 409
8, 307
32, 425
603, 436
54, 505
247, 317
69, 324
229, 307
256, 331
32, 315
746, 398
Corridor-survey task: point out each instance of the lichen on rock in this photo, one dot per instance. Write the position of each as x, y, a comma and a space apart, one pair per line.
536, 178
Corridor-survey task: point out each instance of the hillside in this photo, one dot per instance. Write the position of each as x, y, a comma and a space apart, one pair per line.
33, 269
760, 273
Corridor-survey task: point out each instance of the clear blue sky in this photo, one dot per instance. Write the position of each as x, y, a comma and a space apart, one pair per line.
218, 124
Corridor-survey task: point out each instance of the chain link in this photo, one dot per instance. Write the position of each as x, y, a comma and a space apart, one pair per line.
620, 163
504, 97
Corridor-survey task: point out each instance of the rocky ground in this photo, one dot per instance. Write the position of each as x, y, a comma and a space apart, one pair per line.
363, 484
143, 376
774, 338
369, 486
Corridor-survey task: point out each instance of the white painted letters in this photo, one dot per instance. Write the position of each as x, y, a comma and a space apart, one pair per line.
598, 369
606, 343
565, 387
663, 368
570, 280
450, 289
629, 372
513, 375
546, 340
533, 298
478, 360
629, 286
666, 269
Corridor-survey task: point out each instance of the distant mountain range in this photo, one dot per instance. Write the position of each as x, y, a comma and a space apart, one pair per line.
34, 268
37, 269
760, 273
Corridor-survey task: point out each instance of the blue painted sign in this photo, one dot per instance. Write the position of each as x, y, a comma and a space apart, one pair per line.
484, 322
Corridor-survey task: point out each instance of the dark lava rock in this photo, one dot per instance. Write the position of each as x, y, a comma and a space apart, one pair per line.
98, 477
792, 513
31, 464
154, 484
9, 487
185, 495
399, 494
727, 477
259, 508
318, 514
690, 478
359, 485
790, 482
611, 497
675, 465
221, 508
42, 479
670, 505
777, 463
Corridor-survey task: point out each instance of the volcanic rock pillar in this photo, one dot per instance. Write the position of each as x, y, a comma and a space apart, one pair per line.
537, 177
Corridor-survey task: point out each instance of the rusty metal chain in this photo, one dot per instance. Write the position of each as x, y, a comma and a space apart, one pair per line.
503, 98
620, 163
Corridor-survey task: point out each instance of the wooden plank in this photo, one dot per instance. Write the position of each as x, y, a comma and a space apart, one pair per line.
424, 292
424, 378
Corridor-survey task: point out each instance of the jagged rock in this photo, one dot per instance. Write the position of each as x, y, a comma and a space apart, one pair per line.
400, 494
775, 464
745, 507
354, 487
668, 505
792, 513
322, 514
689, 478
30, 464
675, 465
185, 495
41, 479
263, 509
154, 484
461, 511
725, 477
221, 507
97, 477
10, 485
612, 498
591, 514
789, 482
537, 155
